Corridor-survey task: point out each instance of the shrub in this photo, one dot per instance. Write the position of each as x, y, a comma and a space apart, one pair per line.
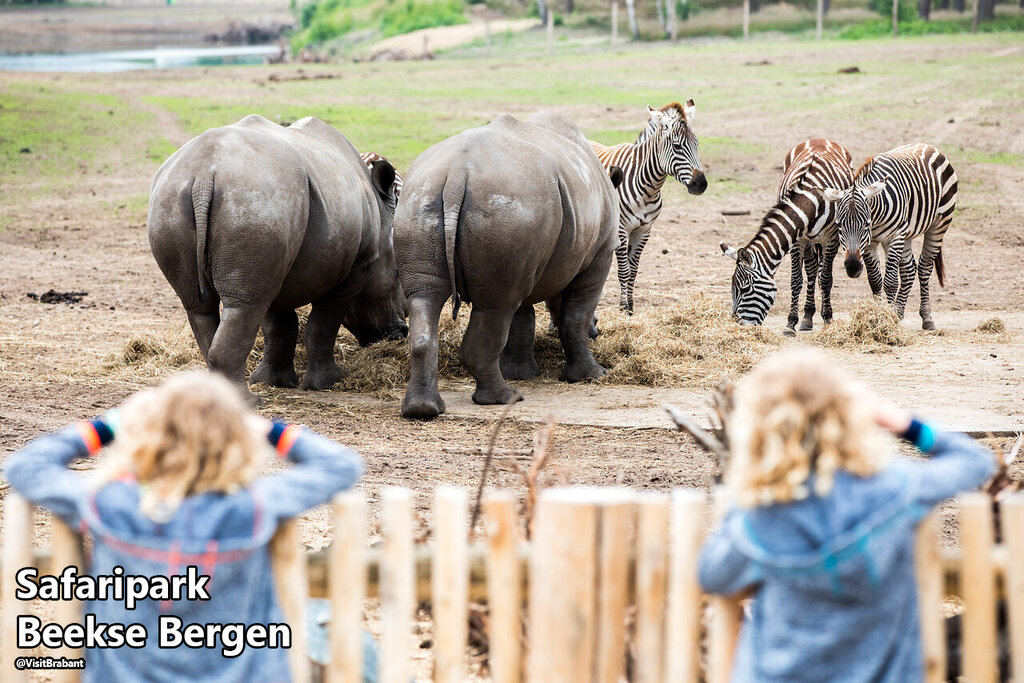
403, 16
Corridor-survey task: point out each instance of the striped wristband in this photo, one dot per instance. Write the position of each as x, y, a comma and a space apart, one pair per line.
282, 435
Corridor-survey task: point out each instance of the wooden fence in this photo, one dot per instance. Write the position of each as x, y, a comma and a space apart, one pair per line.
600, 558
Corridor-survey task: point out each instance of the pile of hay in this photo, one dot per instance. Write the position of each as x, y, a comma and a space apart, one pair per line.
147, 356
991, 326
873, 327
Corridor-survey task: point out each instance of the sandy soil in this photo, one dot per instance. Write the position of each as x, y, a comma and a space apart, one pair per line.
444, 37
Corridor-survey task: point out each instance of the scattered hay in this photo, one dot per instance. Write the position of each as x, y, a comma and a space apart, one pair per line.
991, 326
873, 327
147, 356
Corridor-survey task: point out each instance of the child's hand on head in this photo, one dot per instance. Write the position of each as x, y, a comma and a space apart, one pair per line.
891, 417
258, 424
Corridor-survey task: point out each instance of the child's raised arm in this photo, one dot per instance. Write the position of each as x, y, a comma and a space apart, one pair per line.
39, 471
721, 567
322, 469
956, 463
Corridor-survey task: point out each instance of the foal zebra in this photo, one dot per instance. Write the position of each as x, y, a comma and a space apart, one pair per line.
897, 196
666, 146
370, 157
802, 222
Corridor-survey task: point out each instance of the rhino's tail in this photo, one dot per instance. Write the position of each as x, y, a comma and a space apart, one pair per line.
453, 194
202, 193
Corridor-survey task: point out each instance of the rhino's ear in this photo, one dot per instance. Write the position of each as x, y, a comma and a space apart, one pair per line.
615, 173
382, 173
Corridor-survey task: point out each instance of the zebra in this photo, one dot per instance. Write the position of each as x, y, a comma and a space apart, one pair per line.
897, 196
370, 157
666, 146
801, 222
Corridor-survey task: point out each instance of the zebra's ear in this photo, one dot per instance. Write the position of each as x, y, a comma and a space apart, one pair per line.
874, 188
690, 110
727, 250
615, 174
834, 195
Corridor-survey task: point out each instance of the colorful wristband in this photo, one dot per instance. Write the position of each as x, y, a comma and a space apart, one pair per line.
282, 435
919, 434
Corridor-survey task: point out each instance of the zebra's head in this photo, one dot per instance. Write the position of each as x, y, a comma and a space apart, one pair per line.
853, 218
681, 161
753, 289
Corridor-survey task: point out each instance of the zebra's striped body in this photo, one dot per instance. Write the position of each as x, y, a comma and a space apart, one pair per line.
666, 146
897, 196
802, 223
370, 157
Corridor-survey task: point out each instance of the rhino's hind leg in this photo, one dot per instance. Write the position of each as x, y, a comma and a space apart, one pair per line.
517, 361
322, 372
277, 368
579, 301
204, 324
233, 342
481, 348
422, 400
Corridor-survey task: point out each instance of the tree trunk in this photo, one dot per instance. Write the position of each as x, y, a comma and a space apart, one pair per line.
755, 5
960, 5
924, 9
542, 11
986, 10
660, 6
569, 6
631, 11
827, 4
943, 4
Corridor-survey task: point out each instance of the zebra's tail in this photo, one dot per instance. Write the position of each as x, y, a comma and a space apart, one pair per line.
202, 193
940, 268
453, 194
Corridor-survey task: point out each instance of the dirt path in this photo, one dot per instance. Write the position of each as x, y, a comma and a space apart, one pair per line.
444, 37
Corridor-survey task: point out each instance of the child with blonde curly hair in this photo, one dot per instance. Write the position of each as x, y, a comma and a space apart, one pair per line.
822, 524
181, 489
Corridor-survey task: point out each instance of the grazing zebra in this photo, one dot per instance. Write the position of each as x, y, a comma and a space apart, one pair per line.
370, 157
666, 146
802, 222
897, 196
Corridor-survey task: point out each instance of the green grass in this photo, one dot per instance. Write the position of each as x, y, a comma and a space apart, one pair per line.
346, 24
915, 27
981, 157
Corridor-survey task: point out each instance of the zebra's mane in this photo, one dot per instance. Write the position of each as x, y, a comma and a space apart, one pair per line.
674, 107
865, 168
794, 175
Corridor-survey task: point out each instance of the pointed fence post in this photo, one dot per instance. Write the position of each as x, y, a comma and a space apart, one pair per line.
346, 586
397, 584
450, 584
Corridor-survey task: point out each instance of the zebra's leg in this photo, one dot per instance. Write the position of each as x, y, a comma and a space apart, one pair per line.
622, 262
637, 242
811, 270
517, 361
908, 269
874, 271
796, 281
825, 278
929, 252
893, 259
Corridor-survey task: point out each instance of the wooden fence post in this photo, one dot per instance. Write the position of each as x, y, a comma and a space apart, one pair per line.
67, 551
288, 558
562, 596
746, 19
651, 573
820, 19
17, 553
671, 18
614, 518
726, 619
450, 584
503, 582
979, 588
346, 586
615, 21
1013, 536
931, 578
682, 631
397, 587
550, 30
895, 18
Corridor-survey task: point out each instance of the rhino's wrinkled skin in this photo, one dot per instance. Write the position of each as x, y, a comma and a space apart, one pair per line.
265, 219
504, 216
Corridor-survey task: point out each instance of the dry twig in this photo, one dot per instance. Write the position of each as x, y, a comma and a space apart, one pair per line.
487, 463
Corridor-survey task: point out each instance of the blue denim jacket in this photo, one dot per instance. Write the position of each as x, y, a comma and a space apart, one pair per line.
836, 591
225, 536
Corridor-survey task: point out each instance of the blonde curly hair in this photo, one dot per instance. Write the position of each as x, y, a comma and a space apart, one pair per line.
796, 415
190, 435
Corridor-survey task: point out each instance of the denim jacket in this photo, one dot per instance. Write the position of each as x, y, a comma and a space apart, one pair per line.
225, 536
836, 595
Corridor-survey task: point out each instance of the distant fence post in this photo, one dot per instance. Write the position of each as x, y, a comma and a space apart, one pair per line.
671, 18
746, 19
896, 17
487, 35
615, 21
820, 19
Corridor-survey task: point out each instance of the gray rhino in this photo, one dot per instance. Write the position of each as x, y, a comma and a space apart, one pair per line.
265, 219
504, 216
